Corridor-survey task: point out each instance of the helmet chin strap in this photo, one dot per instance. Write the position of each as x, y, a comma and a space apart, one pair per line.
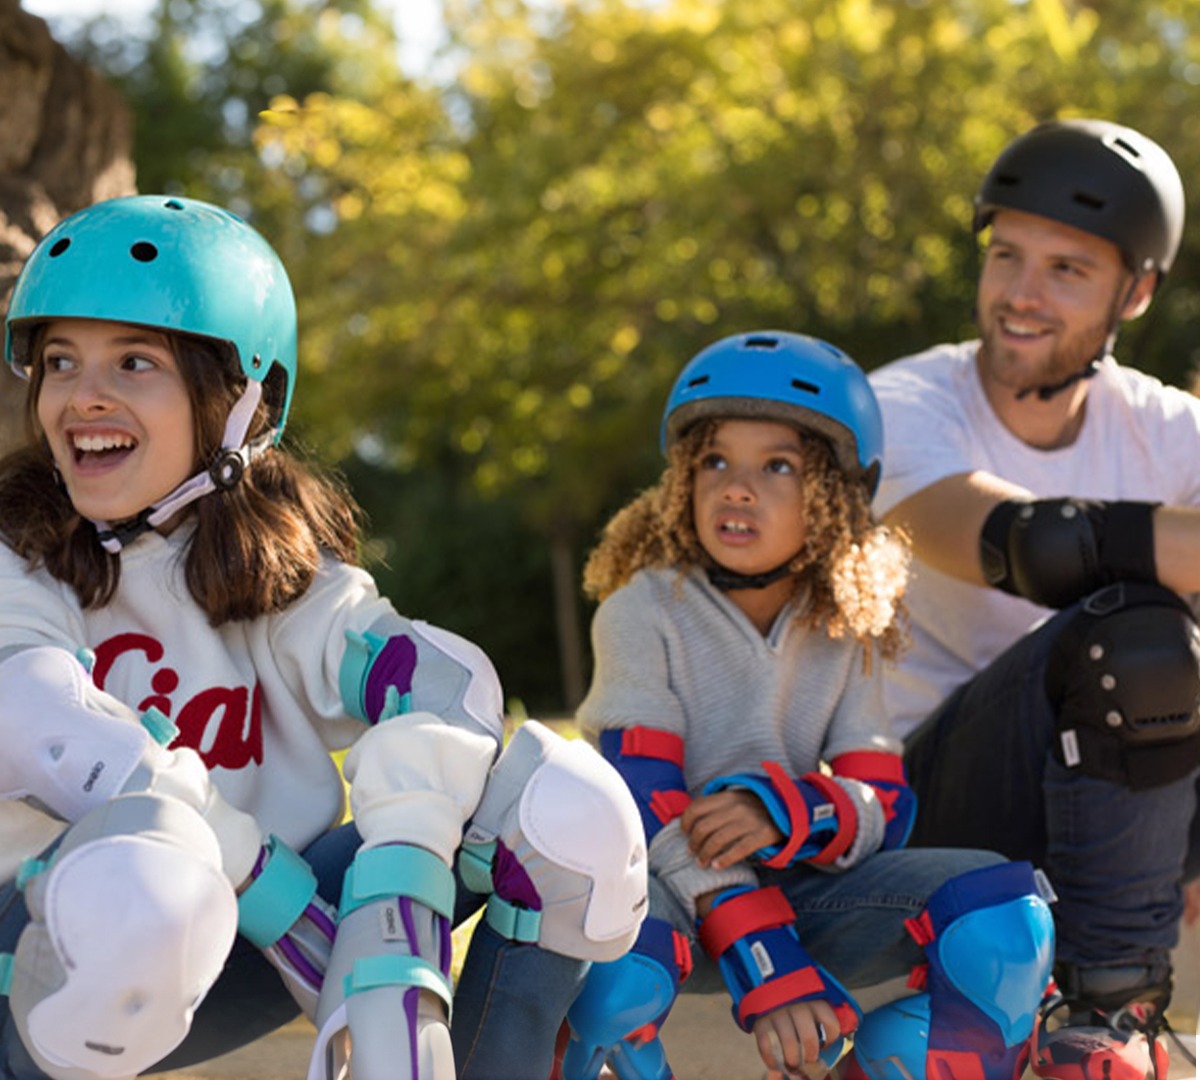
730, 580
1045, 393
224, 472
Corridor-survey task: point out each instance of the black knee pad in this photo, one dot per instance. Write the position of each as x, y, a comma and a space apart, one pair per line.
1124, 678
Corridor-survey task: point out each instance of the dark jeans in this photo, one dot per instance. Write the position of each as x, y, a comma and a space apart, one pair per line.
508, 1005
985, 773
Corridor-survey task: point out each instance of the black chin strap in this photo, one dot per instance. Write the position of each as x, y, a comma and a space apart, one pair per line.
1045, 393
730, 580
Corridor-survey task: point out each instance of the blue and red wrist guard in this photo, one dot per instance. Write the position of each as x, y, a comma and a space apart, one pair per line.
817, 818
751, 934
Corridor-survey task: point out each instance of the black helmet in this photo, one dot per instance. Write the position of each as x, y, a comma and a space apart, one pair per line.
1105, 179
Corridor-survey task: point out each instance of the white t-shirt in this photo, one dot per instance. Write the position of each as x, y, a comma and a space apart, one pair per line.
257, 699
1140, 440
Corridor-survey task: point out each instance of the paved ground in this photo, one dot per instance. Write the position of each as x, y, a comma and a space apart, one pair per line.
701, 1041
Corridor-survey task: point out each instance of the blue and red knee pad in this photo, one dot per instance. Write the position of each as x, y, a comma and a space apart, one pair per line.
989, 939
617, 1016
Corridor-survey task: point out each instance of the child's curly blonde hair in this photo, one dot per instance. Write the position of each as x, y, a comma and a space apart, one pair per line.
853, 569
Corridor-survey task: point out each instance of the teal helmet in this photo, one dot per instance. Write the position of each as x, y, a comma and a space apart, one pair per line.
170, 263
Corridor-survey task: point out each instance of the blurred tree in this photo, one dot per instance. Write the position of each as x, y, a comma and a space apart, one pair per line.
516, 262
198, 73
501, 269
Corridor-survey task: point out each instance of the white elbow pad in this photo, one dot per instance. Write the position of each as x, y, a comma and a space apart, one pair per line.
67, 744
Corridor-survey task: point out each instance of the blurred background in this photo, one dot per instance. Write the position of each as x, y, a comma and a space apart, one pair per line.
509, 223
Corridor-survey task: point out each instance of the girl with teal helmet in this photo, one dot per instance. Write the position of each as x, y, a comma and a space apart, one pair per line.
183, 267
185, 636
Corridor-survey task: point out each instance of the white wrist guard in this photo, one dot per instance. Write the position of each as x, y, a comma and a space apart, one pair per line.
415, 779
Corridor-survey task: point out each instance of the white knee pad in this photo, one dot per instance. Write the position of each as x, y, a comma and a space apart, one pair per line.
130, 927
572, 825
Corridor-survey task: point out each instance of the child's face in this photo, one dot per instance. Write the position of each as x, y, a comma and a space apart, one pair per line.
116, 412
747, 499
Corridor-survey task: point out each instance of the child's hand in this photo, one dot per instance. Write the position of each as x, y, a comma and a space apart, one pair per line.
791, 1037
724, 828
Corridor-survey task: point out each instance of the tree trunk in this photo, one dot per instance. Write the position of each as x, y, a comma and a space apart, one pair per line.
566, 617
65, 142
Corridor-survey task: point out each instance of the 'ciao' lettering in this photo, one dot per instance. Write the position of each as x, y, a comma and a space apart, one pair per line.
222, 724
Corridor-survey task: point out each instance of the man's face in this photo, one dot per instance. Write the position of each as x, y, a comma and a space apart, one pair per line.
1049, 295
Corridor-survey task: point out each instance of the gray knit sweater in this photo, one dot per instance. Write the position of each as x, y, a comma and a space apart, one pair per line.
676, 654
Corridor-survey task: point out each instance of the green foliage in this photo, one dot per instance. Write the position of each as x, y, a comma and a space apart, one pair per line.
201, 71
500, 270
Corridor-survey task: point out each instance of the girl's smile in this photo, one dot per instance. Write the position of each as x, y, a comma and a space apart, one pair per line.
117, 416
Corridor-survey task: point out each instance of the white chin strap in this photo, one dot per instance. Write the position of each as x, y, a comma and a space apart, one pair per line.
226, 470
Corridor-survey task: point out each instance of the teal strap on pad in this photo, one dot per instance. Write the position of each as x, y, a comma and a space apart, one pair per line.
6, 973
373, 972
30, 868
512, 922
277, 897
361, 650
398, 870
162, 728
475, 866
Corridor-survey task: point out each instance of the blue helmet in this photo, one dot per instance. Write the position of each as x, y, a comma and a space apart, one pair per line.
792, 378
174, 264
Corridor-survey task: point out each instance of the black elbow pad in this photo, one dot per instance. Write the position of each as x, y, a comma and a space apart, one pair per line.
1057, 551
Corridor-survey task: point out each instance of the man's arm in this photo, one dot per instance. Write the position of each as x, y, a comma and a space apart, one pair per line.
945, 520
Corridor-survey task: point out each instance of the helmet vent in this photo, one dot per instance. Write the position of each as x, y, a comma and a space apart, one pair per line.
173, 204
59, 247
806, 387
144, 251
762, 343
1086, 198
700, 381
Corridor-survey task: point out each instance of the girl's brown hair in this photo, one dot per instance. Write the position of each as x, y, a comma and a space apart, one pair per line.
852, 569
255, 547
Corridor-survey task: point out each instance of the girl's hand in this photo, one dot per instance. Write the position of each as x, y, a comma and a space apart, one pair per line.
724, 828
793, 1036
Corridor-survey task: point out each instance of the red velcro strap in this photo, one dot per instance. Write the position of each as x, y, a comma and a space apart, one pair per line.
761, 909
652, 743
956, 1064
847, 1018
683, 955
868, 765
643, 1034
918, 978
847, 817
797, 814
921, 929
771, 995
668, 805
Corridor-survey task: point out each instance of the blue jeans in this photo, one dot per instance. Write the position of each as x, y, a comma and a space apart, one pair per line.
508, 1005
851, 923
985, 772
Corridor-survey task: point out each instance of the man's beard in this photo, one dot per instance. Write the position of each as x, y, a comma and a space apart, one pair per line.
1069, 358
